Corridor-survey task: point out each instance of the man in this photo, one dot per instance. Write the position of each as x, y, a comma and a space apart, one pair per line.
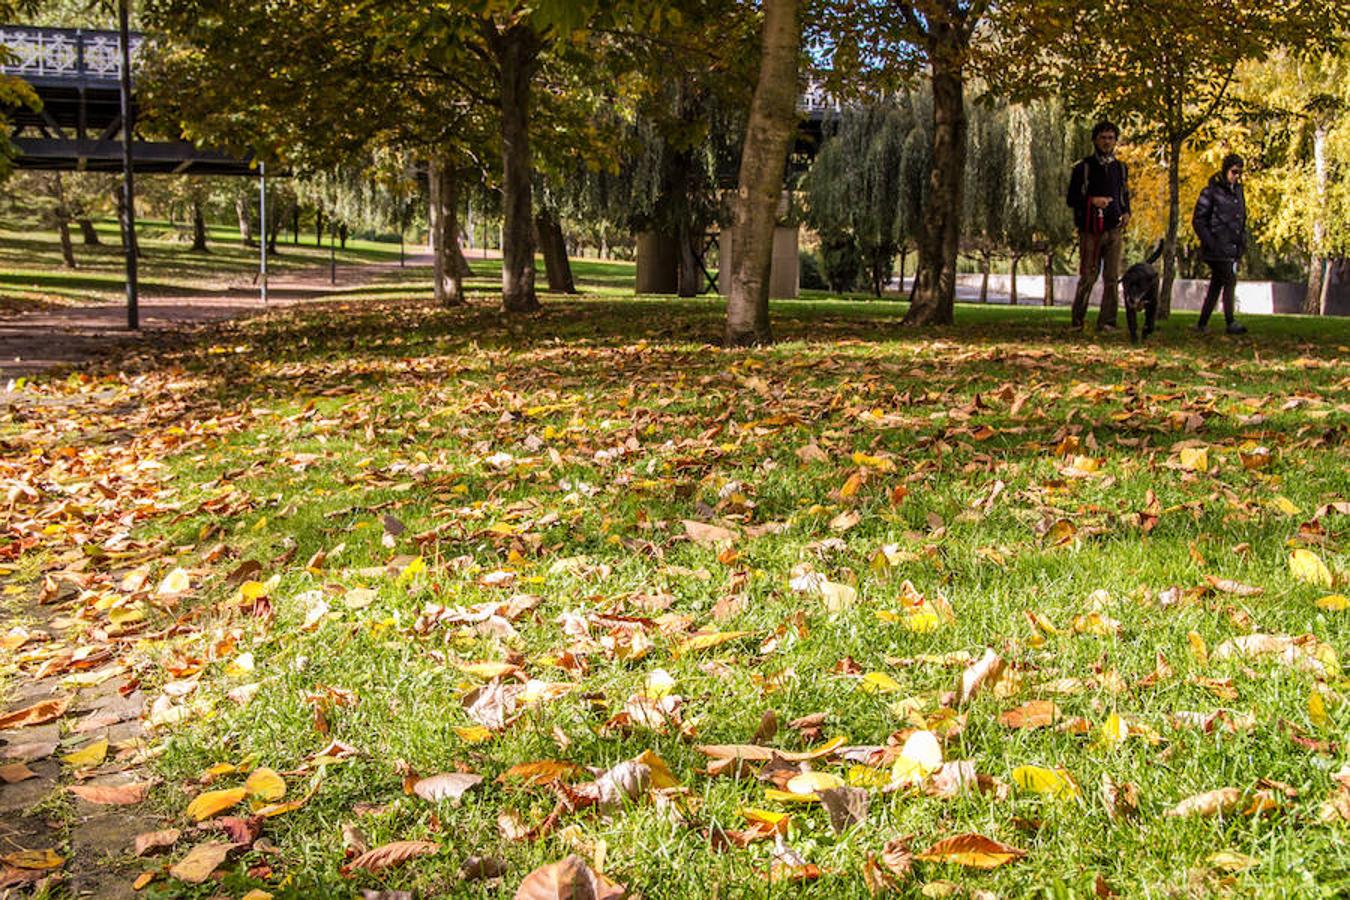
1220, 221
1099, 193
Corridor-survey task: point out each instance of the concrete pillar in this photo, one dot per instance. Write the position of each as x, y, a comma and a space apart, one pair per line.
784, 276
658, 261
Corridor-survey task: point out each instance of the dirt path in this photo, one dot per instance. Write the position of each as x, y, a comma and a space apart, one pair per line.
39, 341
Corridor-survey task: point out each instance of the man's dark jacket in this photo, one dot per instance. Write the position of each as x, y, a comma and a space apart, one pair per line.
1220, 220
1090, 178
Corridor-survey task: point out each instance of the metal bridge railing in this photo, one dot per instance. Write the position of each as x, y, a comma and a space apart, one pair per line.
63, 54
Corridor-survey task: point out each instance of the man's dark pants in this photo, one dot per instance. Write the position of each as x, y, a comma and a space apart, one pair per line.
1098, 253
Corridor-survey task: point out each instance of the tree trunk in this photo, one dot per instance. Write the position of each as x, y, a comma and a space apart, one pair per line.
773, 113
939, 239
273, 231
318, 228
442, 186
904, 260
1169, 273
1317, 274
87, 232
245, 223
63, 218
67, 249
342, 235
516, 51
198, 228
554, 246
295, 224
984, 278
1048, 298
1012, 280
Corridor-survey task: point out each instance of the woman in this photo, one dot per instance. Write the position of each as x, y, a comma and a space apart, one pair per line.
1220, 221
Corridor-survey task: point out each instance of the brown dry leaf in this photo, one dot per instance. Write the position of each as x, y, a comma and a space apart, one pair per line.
984, 669
37, 714
387, 855
570, 879
706, 535
1237, 588
477, 868
1034, 714
16, 772
847, 806
209, 803
973, 850
753, 753
112, 794
155, 840
201, 861
447, 786
1120, 799
898, 857
542, 771
1210, 803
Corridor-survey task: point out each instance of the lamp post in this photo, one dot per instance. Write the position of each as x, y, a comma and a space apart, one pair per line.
128, 182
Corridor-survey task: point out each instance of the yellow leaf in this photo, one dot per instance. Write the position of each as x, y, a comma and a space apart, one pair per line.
1195, 458
1306, 566
209, 803
775, 821
1317, 709
707, 641
256, 894
33, 859
661, 776
920, 757
1333, 603
1058, 783
473, 734
1198, 648
488, 670
1229, 861
358, 598
659, 683
176, 582
837, 596
1284, 505
789, 796
880, 683
810, 782
265, 784
867, 777
89, 755
1114, 731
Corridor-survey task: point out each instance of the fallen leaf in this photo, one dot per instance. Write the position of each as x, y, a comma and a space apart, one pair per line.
13, 773
201, 861
37, 714
447, 786
33, 859
707, 641
1058, 783
706, 535
89, 755
388, 855
175, 583
1308, 567
985, 669
846, 806
540, 772
1210, 803
209, 803
973, 850
569, 879
155, 840
1237, 588
1334, 603
1230, 861
920, 757
1034, 714
111, 794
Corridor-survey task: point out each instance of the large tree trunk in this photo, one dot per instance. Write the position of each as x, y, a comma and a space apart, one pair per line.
67, 249
516, 51
273, 230
63, 219
554, 247
241, 211
87, 232
773, 114
1317, 274
1169, 273
442, 185
939, 240
198, 228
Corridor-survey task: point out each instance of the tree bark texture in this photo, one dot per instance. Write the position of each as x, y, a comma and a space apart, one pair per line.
198, 228
516, 51
1012, 281
442, 186
1169, 273
939, 238
245, 223
1048, 298
318, 228
554, 246
773, 115
88, 233
1317, 274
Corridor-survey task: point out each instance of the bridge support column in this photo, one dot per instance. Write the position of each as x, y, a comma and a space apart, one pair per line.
784, 277
658, 263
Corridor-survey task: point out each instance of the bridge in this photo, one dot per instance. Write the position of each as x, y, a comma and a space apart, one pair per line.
76, 73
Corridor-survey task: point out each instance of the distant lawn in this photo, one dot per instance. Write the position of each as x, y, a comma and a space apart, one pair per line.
450, 506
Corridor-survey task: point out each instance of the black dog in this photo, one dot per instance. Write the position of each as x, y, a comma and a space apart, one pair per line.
1140, 287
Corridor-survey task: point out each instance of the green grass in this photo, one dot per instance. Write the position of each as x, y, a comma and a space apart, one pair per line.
299, 433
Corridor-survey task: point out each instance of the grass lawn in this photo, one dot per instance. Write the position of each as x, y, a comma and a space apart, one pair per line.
463, 544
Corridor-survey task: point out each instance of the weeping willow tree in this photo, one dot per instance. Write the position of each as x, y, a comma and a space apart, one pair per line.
864, 191
985, 197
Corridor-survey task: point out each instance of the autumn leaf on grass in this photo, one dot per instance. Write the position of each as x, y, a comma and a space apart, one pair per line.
570, 879
1237, 588
700, 642
1210, 803
201, 861
1033, 714
447, 786
973, 850
1334, 603
111, 794
847, 806
986, 669
33, 859
175, 583
920, 757
210, 803
1196, 459
388, 855
1308, 567
543, 771
1057, 783
37, 714
150, 841
706, 535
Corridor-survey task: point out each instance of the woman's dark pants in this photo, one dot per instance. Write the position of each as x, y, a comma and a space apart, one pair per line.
1222, 279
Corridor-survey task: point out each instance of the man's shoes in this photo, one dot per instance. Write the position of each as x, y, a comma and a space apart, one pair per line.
1075, 326
1105, 326
1236, 328
1201, 328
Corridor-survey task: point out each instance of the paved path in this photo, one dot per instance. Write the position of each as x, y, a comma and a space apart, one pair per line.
42, 340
